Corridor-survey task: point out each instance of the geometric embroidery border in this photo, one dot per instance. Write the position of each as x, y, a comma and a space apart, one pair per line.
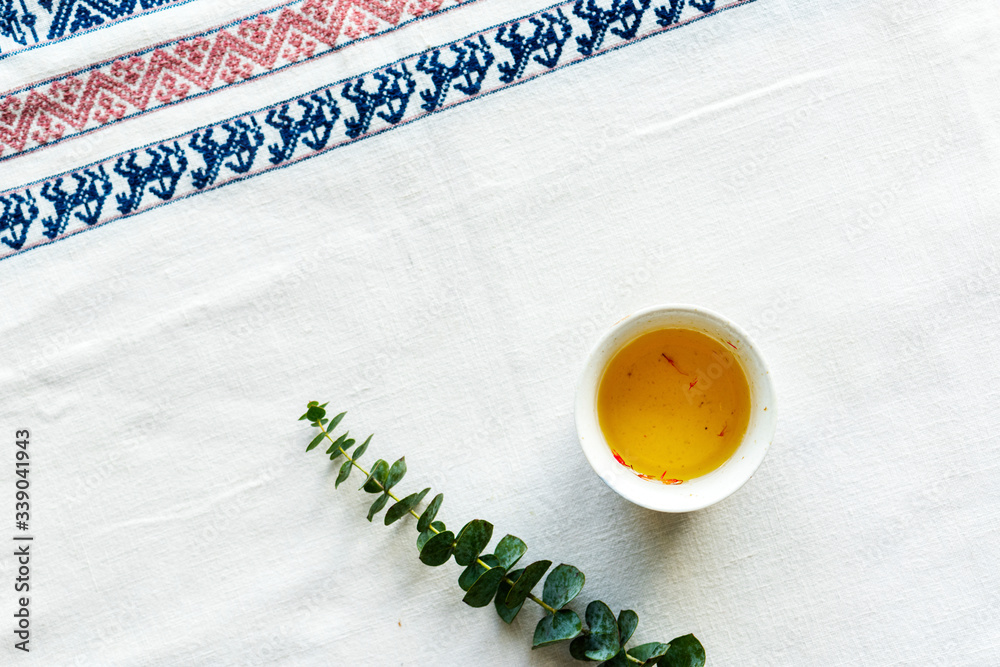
177, 70
330, 117
30, 24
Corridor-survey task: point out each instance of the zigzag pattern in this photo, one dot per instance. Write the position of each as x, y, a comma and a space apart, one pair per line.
344, 112
25, 23
136, 83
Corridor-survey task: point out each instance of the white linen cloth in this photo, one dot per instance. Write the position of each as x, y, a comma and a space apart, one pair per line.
823, 174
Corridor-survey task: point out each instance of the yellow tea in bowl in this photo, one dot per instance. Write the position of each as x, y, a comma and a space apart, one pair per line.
673, 404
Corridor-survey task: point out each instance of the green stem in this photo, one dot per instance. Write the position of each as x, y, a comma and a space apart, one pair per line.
363, 471
532, 597
437, 532
417, 516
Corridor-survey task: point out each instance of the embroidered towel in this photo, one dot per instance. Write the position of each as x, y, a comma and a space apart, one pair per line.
426, 212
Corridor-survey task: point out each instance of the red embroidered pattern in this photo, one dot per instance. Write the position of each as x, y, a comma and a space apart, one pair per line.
351, 109
133, 83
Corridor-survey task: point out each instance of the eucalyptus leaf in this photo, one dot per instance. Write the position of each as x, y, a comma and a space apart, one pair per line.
345, 472
602, 642
400, 509
485, 588
522, 587
396, 473
438, 549
315, 441
627, 622
361, 450
337, 443
684, 651
650, 651
475, 570
342, 449
428, 515
471, 540
489, 576
377, 505
428, 534
333, 422
509, 550
376, 479
564, 624
499, 602
562, 585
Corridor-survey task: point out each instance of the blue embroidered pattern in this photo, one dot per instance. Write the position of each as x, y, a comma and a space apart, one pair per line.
389, 95
92, 188
241, 144
313, 127
19, 211
26, 23
626, 13
16, 22
544, 45
472, 60
342, 113
166, 166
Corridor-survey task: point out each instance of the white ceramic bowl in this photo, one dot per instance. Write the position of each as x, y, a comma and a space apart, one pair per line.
701, 491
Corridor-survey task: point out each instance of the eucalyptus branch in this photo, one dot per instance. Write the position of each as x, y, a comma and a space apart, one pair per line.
492, 577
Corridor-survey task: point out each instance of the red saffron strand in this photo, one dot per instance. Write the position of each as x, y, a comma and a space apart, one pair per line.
671, 362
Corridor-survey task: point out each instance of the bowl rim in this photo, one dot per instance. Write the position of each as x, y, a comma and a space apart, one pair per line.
652, 494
